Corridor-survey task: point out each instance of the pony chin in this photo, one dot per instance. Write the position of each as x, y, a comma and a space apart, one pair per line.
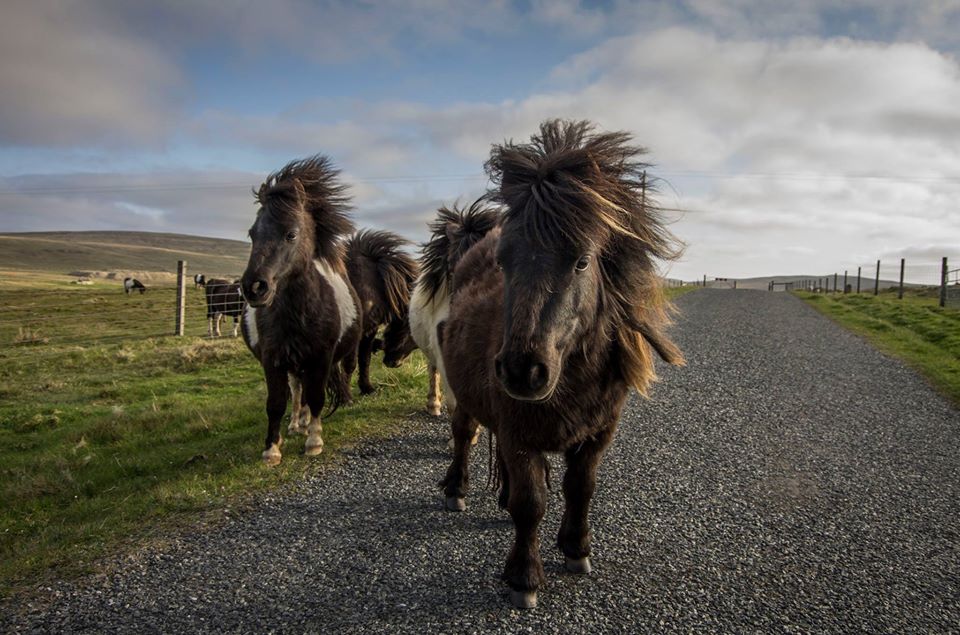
542, 396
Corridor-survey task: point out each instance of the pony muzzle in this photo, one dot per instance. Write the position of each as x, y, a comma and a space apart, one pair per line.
524, 376
257, 292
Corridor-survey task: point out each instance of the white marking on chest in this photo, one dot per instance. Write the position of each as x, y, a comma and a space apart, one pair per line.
341, 295
250, 317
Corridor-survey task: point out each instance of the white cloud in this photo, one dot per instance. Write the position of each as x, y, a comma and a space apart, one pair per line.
71, 75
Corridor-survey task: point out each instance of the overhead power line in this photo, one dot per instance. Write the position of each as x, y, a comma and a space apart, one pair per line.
771, 176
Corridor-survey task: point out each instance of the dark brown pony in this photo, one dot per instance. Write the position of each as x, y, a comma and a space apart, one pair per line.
303, 317
383, 276
552, 321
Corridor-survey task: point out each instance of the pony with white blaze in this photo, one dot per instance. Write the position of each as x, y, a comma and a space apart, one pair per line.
304, 318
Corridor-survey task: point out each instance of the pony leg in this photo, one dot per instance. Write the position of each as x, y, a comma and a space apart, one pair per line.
579, 483
209, 326
433, 393
364, 351
296, 393
527, 501
277, 392
456, 481
314, 389
341, 383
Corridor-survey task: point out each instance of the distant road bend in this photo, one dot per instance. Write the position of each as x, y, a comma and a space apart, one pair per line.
790, 478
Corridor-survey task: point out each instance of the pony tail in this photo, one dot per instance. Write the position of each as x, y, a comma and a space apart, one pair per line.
397, 284
335, 384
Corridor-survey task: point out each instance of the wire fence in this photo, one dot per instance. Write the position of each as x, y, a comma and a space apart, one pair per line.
939, 280
52, 322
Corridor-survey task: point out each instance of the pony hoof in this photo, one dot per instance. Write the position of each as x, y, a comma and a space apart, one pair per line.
523, 599
579, 565
456, 504
271, 457
433, 411
313, 449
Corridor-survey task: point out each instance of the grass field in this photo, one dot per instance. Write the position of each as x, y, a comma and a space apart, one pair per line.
112, 431
914, 329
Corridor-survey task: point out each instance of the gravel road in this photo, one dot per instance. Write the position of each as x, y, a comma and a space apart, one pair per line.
789, 479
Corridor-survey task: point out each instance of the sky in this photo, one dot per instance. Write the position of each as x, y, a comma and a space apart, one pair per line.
788, 137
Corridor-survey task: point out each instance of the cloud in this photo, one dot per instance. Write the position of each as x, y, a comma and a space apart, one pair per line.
71, 75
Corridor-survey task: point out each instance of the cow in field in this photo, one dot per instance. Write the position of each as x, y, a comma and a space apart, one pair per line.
223, 298
131, 285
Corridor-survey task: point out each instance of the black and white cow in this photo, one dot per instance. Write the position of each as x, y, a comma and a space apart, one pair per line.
132, 284
223, 298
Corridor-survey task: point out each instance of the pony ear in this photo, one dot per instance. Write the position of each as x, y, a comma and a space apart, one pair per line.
298, 190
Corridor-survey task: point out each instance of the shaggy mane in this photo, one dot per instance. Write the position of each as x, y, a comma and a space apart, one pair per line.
453, 232
397, 269
573, 185
314, 184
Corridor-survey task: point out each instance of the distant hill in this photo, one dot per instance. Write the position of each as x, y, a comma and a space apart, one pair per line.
99, 253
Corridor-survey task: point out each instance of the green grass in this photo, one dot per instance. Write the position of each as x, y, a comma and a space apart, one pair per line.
113, 431
915, 330
675, 292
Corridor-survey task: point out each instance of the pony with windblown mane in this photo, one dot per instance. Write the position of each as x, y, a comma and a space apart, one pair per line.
383, 275
454, 231
554, 317
303, 318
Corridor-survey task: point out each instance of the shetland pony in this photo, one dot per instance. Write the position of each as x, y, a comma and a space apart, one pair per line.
453, 232
383, 276
552, 320
304, 317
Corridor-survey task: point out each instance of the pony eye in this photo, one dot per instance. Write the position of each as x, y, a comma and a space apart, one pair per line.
291, 236
583, 263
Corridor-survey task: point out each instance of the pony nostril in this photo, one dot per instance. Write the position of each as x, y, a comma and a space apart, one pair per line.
538, 376
259, 287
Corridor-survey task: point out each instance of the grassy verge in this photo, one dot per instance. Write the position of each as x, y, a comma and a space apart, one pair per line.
675, 292
915, 330
110, 430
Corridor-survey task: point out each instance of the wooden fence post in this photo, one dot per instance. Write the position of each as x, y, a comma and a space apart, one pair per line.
844, 280
834, 282
943, 283
858, 279
876, 283
903, 262
181, 295
704, 281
